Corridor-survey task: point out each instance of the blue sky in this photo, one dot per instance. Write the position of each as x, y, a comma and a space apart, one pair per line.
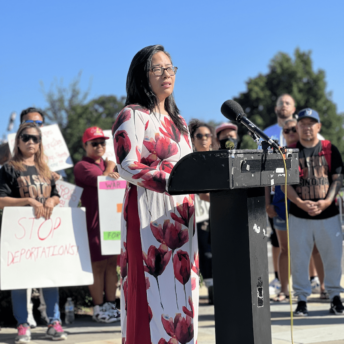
217, 46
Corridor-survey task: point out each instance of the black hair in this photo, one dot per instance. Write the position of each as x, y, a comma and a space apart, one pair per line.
194, 124
139, 90
31, 110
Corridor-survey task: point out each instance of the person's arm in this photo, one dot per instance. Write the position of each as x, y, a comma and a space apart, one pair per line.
270, 208
307, 206
22, 202
49, 205
204, 196
128, 141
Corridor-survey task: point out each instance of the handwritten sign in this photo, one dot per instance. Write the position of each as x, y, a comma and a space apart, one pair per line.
201, 209
44, 253
110, 152
110, 197
69, 194
55, 148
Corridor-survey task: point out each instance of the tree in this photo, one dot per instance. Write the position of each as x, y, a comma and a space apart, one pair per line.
297, 78
70, 110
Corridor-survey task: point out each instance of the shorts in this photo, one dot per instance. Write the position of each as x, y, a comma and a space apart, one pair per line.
280, 224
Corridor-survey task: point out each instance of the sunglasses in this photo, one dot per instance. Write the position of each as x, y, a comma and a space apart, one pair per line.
32, 121
287, 131
26, 138
96, 144
200, 136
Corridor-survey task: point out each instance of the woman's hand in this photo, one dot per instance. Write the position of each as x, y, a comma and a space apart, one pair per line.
114, 175
37, 207
56, 176
48, 207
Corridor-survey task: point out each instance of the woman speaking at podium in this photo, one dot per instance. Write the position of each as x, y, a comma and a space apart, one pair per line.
159, 265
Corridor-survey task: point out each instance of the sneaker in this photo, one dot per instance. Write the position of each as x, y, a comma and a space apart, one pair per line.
101, 314
315, 284
301, 309
55, 331
112, 309
24, 334
337, 306
274, 287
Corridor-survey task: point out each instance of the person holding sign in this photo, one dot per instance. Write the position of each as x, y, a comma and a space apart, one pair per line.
86, 173
160, 293
25, 180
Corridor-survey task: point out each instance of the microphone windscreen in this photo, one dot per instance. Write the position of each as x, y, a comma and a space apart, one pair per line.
231, 110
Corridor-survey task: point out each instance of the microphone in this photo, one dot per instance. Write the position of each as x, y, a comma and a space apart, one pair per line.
234, 112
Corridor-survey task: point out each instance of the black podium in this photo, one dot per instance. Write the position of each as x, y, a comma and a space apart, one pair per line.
236, 181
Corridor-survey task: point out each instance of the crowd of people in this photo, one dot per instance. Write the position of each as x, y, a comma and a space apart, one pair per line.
164, 244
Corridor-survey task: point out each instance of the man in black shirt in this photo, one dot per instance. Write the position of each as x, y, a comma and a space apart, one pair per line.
314, 216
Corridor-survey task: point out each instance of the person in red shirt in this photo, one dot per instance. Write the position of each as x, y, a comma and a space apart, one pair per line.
86, 173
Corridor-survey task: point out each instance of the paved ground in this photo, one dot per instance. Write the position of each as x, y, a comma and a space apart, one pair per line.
319, 328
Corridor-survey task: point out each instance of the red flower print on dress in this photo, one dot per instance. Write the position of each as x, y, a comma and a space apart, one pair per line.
182, 268
138, 166
154, 181
156, 261
195, 265
193, 283
186, 311
162, 147
173, 235
180, 328
123, 258
170, 129
150, 313
171, 341
123, 116
166, 166
122, 145
138, 108
185, 210
123, 340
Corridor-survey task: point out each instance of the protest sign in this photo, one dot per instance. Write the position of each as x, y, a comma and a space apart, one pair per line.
37, 253
110, 196
69, 194
55, 148
201, 209
110, 152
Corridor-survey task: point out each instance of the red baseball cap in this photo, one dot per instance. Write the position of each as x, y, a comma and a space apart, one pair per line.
92, 134
227, 125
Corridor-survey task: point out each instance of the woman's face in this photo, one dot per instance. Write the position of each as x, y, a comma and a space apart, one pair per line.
162, 86
291, 136
95, 149
31, 146
202, 139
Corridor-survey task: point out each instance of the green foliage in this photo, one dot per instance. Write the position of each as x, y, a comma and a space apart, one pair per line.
296, 77
70, 110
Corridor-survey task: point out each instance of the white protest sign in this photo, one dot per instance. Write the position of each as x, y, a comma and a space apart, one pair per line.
55, 148
201, 209
110, 198
110, 152
69, 194
44, 253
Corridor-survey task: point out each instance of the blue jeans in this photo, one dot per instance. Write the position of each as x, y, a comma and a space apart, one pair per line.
19, 304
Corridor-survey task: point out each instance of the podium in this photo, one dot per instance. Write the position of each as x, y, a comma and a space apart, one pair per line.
236, 181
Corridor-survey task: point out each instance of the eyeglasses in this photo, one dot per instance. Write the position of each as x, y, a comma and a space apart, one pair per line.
96, 144
26, 138
200, 136
158, 71
32, 121
288, 130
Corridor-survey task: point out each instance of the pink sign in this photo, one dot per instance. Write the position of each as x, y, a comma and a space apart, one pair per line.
112, 184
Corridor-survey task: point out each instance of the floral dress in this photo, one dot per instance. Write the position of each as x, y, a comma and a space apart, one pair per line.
147, 146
